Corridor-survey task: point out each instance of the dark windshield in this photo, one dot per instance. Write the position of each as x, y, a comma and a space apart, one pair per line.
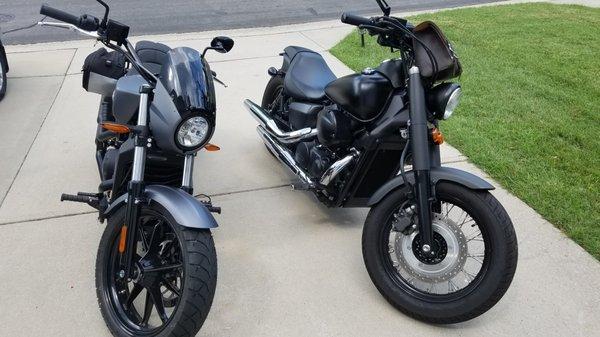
188, 80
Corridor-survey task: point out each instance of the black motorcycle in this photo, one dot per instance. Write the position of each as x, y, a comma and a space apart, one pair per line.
156, 269
436, 243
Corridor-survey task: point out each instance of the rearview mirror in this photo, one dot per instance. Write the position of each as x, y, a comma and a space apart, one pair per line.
222, 44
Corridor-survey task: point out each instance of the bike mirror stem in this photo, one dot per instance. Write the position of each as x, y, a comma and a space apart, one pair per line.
385, 8
106, 11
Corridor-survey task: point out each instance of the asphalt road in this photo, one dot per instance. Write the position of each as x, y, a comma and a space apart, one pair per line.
178, 16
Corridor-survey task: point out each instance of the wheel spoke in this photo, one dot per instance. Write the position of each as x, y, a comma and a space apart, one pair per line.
163, 268
158, 304
137, 289
477, 257
477, 237
143, 237
467, 219
147, 309
172, 288
470, 277
452, 287
154, 245
448, 210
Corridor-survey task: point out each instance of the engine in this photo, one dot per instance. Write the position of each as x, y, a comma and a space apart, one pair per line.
334, 132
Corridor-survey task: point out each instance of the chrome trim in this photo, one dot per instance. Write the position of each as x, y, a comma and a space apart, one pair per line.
139, 155
188, 170
284, 155
270, 126
337, 167
69, 27
139, 163
455, 96
413, 70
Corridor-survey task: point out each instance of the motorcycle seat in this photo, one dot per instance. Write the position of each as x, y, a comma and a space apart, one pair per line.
152, 54
307, 76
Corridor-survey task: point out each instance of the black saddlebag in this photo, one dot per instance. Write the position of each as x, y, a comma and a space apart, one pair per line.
101, 70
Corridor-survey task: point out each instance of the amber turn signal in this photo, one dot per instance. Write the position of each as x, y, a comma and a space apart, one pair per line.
437, 136
211, 147
117, 128
123, 239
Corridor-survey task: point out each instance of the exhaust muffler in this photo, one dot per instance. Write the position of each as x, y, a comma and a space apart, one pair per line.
284, 155
270, 126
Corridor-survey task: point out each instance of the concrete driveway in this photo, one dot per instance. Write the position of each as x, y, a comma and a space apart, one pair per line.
288, 266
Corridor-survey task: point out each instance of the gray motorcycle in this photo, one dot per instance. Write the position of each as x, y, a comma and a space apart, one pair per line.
156, 269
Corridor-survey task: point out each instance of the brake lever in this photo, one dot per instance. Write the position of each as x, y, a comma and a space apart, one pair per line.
69, 27
214, 75
373, 29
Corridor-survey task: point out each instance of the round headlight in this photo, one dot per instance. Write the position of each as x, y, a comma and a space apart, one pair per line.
452, 103
193, 132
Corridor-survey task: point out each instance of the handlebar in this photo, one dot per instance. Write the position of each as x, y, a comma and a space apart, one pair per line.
59, 15
85, 22
356, 20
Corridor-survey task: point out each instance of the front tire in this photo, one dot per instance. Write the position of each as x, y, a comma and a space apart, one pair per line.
3, 82
180, 297
442, 290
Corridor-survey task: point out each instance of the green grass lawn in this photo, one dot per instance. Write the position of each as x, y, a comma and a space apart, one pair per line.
530, 113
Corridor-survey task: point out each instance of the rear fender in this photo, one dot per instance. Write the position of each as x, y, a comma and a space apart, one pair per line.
185, 209
437, 174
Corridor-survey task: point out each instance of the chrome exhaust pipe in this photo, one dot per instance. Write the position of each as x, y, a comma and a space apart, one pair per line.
337, 167
271, 127
284, 155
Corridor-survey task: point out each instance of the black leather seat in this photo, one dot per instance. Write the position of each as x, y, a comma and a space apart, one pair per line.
307, 76
152, 54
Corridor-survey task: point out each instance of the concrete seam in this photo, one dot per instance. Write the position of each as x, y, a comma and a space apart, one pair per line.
37, 133
313, 41
92, 212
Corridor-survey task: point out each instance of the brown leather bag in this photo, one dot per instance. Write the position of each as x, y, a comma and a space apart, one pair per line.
446, 65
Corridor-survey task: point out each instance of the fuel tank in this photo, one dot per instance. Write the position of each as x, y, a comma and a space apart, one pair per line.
364, 96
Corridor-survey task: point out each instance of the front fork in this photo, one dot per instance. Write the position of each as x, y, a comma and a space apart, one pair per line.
136, 186
421, 159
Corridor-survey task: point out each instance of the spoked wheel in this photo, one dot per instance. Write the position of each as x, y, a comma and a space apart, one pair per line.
173, 281
474, 259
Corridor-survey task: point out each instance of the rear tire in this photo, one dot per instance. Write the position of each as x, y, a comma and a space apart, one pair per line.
197, 286
272, 91
482, 290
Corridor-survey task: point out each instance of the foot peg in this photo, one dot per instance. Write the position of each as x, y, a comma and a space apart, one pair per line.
210, 207
92, 199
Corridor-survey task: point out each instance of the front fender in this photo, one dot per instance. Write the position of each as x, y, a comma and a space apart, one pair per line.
185, 209
437, 174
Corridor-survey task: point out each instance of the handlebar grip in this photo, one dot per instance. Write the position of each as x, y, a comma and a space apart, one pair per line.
59, 15
356, 20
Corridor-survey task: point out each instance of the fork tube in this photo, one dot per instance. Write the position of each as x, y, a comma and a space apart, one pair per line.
188, 169
136, 185
421, 158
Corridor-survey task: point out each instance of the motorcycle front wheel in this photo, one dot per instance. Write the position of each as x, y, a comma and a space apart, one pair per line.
474, 264
174, 279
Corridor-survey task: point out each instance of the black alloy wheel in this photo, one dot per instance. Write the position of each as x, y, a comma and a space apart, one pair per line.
173, 282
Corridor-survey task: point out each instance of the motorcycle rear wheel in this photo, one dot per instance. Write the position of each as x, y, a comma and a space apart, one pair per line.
476, 265
175, 277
